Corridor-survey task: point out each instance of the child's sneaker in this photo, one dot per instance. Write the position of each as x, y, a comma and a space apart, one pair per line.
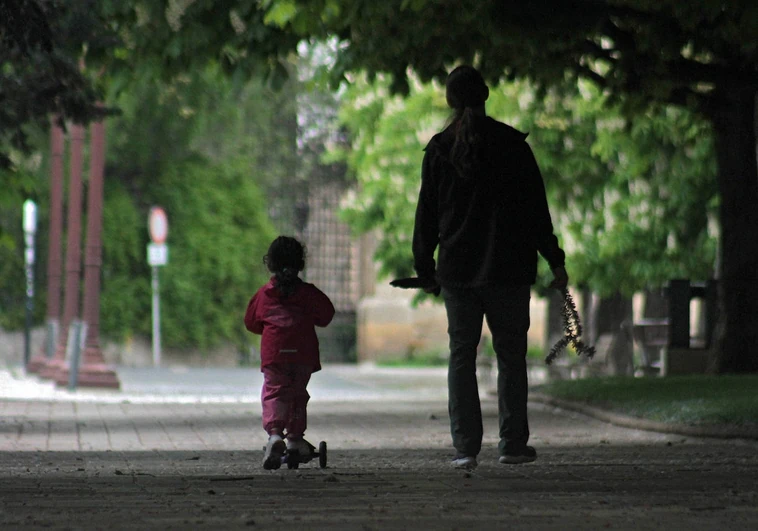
301, 446
275, 449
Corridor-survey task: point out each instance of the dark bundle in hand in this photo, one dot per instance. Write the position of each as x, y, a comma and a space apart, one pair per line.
412, 283
572, 329
427, 284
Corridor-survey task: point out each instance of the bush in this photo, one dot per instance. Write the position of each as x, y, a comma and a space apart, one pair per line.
218, 232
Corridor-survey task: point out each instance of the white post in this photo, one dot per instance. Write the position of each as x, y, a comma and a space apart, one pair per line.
156, 319
30, 229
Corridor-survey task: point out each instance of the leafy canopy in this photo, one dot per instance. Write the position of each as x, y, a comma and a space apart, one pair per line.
626, 196
665, 50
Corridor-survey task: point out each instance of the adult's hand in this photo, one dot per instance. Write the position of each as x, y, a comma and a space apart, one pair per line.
433, 290
560, 278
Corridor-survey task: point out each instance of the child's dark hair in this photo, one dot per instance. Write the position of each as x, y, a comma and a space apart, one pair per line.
285, 259
465, 89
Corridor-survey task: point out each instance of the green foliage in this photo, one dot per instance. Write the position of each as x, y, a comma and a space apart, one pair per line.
12, 269
221, 232
534, 353
39, 74
125, 290
389, 134
643, 51
631, 199
204, 149
21, 182
432, 358
694, 55
160, 40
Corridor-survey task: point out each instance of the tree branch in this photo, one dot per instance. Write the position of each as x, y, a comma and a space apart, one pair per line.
692, 72
681, 71
587, 72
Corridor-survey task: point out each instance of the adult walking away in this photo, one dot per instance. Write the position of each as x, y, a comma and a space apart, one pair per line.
482, 201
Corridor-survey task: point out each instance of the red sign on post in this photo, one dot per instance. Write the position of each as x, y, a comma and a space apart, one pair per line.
158, 225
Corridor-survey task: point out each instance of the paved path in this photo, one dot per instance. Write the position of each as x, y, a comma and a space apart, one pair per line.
86, 464
241, 385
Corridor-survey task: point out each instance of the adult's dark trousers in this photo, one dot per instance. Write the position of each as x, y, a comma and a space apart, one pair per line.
506, 309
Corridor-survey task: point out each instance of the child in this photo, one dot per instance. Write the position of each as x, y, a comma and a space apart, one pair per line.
286, 311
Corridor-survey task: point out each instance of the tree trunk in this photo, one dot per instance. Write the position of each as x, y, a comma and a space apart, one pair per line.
734, 126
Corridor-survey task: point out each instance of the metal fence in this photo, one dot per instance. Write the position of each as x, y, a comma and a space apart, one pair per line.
310, 212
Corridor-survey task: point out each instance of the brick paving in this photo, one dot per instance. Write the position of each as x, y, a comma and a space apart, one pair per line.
67, 464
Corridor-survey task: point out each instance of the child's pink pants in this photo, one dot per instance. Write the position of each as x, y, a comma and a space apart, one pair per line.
284, 398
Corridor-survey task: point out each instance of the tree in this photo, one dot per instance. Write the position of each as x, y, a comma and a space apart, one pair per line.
206, 149
626, 197
633, 197
40, 78
702, 57
628, 209
41, 75
60, 58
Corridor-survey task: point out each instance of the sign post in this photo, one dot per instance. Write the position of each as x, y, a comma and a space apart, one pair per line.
30, 229
157, 256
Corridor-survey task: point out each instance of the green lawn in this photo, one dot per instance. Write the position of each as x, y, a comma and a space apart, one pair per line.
699, 399
426, 359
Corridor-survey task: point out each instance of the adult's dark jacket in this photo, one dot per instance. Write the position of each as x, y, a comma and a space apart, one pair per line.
490, 224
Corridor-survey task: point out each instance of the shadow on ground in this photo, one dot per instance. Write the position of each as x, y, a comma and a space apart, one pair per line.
655, 486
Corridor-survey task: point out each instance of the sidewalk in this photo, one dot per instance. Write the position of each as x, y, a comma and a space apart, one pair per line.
231, 385
336, 382
197, 466
126, 464
135, 460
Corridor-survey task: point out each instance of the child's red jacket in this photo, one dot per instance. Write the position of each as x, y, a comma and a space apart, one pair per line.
288, 323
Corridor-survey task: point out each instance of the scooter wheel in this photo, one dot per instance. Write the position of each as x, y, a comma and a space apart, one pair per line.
322, 454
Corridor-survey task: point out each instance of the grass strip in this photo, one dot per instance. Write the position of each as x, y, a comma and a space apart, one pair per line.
694, 400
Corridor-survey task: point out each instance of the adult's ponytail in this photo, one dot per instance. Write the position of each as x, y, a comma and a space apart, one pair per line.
465, 91
464, 155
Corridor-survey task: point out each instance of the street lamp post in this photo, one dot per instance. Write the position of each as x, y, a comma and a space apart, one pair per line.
30, 229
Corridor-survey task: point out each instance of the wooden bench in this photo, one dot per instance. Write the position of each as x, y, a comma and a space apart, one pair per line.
570, 367
652, 336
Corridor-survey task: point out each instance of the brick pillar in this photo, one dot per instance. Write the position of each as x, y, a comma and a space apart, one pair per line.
93, 372
73, 254
55, 235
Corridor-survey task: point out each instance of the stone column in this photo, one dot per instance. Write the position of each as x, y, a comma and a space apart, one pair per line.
73, 254
55, 236
93, 371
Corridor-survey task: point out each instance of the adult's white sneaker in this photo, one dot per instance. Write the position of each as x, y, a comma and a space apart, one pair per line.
465, 462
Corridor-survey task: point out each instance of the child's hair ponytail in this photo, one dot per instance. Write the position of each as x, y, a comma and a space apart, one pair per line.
285, 259
465, 90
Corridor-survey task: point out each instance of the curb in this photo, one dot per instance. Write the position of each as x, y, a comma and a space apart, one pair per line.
625, 421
